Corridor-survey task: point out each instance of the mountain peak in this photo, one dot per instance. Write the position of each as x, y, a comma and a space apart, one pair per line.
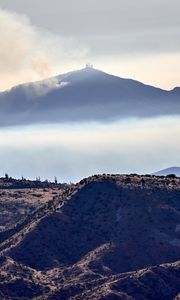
171, 170
87, 94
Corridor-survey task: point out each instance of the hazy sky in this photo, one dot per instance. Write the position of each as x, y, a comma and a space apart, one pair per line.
137, 39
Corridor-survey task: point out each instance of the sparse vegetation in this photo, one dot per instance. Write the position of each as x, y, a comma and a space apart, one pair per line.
81, 241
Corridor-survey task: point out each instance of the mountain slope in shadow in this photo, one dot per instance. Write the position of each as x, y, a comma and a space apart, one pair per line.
85, 95
118, 224
103, 238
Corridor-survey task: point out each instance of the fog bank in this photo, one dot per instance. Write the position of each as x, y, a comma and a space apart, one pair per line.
74, 151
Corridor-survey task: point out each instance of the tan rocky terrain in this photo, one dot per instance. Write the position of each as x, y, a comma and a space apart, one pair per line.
20, 282
104, 238
20, 198
15, 204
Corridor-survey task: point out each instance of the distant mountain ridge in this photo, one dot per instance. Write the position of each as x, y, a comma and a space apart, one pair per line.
168, 171
85, 95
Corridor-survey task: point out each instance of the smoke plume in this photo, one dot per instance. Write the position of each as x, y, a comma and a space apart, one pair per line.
28, 53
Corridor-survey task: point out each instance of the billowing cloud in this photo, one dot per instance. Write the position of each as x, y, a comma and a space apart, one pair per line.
28, 53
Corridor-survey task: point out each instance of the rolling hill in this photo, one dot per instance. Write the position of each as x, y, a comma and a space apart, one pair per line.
168, 171
85, 95
107, 237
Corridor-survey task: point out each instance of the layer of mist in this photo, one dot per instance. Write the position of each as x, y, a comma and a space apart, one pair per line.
76, 150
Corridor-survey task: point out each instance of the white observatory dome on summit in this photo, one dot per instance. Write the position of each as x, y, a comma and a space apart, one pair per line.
89, 66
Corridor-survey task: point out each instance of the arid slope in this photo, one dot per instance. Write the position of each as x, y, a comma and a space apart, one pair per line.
107, 225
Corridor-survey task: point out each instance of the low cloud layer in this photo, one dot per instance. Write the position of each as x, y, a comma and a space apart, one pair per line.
28, 53
72, 152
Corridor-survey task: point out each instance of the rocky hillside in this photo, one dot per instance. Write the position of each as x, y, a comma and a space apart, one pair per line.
77, 283
21, 197
23, 183
17, 204
86, 240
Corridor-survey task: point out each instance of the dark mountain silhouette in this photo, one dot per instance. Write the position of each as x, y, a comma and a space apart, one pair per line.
168, 171
84, 95
91, 241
